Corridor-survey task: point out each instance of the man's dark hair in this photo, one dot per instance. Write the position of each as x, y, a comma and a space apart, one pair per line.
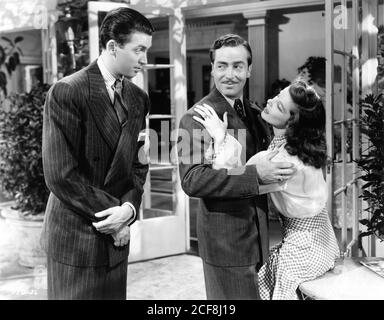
120, 23
306, 137
230, 40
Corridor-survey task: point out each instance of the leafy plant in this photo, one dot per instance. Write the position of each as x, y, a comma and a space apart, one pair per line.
21, 169
313, 70
10, 55
372, 163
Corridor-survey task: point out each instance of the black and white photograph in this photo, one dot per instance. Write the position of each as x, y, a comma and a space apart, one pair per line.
192, 154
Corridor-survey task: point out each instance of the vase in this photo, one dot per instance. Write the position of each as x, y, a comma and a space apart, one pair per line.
26, 232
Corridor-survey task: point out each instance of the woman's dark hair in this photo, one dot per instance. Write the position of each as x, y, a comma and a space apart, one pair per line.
306, 136
120, 23
230, 40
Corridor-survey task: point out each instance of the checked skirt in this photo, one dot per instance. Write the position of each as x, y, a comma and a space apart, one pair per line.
308, 250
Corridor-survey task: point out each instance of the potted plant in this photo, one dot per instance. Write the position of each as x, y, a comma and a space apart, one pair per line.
371, 164
21, 170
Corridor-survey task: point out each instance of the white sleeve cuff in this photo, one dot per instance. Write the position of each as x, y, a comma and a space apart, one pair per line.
133, 209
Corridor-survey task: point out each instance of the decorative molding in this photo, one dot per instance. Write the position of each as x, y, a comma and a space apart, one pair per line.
256, 22
222, 9
255, 14
199, 36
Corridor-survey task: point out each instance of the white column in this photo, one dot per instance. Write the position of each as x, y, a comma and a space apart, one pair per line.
49, 48
257, 38
178, 57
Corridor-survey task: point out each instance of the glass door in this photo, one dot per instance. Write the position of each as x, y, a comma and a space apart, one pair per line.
162, 227
342, 112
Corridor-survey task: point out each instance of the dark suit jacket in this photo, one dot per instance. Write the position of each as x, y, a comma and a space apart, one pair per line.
90, 164
232, 218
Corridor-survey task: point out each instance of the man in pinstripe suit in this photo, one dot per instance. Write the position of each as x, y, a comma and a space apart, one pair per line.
232, 225
92, 121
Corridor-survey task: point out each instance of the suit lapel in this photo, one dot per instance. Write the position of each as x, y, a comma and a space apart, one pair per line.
131, 102
260, 127
221, 105
128, 139
101, 107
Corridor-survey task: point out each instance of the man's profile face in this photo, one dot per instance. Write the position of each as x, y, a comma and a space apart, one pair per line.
230, 70
131, 57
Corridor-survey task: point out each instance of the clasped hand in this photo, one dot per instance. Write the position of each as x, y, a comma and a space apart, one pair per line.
115, 224
269, 171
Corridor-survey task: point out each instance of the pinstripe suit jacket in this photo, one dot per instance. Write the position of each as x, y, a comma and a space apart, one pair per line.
90, 164
232, 218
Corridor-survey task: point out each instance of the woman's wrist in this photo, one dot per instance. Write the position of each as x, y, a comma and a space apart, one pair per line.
219, 141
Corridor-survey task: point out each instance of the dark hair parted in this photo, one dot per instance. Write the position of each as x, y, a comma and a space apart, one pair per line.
306, 136
120, 23
230, 40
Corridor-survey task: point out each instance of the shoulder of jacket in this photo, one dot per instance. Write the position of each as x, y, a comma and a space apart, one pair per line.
76, 79
137, 90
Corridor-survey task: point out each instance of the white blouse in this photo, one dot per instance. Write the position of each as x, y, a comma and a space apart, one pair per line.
303, 195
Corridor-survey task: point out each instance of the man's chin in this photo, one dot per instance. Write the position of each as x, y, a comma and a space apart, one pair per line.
130, 75
230, 93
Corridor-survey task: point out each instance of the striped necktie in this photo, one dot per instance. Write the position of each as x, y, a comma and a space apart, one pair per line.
118, 102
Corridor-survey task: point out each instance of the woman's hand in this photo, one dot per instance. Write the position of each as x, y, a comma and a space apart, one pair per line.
212, 123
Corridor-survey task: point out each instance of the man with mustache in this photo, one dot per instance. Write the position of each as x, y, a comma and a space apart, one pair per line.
232, 221
92, 121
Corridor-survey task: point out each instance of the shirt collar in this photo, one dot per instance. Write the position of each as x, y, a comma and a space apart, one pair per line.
109, 79
232, 101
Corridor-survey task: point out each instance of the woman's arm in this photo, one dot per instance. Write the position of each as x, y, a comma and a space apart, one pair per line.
227, 155
224, 151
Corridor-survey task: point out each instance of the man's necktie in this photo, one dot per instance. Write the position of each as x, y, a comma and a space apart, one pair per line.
238, 106
118, 102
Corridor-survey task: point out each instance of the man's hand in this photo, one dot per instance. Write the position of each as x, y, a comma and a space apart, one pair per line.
269, 171
122, 236
116, 218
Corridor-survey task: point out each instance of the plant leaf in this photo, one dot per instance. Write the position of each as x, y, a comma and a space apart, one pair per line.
18, 39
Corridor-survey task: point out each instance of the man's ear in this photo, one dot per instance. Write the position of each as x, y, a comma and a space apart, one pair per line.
249, 71
211, 67
111, 47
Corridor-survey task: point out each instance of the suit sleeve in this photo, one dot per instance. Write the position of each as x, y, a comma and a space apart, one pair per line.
62, 131
139, 170
199, 179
